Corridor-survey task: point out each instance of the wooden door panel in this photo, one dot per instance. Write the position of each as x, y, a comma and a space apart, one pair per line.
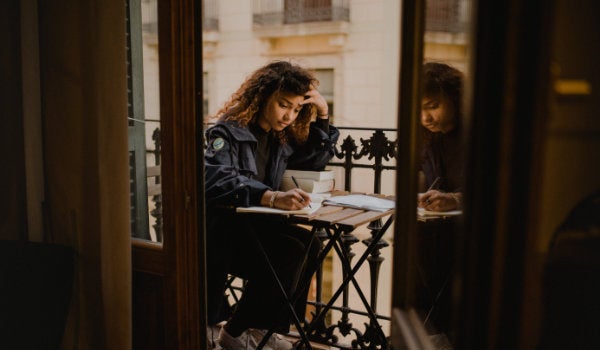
167, 288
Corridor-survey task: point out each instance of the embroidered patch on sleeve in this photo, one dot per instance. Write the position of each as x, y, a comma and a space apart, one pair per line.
218, 143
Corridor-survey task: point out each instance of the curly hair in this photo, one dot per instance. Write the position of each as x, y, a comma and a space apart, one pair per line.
440, 79
248, 102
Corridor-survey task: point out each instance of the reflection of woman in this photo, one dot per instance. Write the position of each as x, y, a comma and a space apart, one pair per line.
264, 128
441, 152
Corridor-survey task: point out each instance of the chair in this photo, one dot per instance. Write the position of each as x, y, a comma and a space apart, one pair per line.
571, 285
36, 281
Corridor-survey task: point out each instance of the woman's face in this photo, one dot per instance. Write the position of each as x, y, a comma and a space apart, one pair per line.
438, 114
281, 110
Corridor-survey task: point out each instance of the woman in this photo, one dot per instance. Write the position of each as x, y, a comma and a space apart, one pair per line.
442, 151
276, 119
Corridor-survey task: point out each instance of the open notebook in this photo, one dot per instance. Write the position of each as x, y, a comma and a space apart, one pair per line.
266, 210
361, 201
427, 213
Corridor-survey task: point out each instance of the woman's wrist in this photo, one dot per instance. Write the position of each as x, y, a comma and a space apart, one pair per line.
457, 198
272, 199
323, 115
265, 199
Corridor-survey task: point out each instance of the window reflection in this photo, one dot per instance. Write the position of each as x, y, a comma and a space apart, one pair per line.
441, 162
152, 116
144, 120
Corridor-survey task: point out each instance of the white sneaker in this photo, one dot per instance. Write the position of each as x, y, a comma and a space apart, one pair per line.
245, 341
275, 342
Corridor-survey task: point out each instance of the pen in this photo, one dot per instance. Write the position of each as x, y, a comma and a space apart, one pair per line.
296, 183
430, 187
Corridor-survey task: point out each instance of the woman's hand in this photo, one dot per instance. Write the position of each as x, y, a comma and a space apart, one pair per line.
435, 200
293, 199
314, 97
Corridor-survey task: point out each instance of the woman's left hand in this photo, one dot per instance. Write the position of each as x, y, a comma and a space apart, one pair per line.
314, 97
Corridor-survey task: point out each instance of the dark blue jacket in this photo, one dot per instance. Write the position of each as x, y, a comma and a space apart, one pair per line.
443, 157
230, 163
230, 170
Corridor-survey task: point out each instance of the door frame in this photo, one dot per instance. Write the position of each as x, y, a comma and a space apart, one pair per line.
175, 268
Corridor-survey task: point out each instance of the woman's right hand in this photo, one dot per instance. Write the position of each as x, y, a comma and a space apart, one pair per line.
438, 201
293, 199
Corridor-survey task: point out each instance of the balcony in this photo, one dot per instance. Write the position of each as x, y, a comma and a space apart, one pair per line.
279, 18
353, 320
447, 16
367, 155
373, 159
274, 13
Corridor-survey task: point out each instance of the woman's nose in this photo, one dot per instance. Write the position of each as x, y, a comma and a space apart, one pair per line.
290, 115
426, 117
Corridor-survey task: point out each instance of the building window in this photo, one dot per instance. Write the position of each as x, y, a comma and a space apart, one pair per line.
210, 15
325, 77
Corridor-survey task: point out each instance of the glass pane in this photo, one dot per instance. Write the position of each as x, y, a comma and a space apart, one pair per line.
357, 64
441, 160
144, 120
152, 114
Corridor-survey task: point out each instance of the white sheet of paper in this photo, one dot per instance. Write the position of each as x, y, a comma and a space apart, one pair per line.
361, 201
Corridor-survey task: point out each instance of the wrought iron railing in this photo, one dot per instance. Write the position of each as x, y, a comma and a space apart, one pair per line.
376, 152
358, 148
273, 12
156, 209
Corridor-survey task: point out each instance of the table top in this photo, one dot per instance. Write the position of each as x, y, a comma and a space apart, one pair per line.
351, 218
348, 218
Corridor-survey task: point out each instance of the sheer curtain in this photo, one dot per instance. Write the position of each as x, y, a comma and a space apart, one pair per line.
83, 88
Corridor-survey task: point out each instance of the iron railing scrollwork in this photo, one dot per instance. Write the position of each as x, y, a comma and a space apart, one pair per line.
378, 153
156, 212
377, 149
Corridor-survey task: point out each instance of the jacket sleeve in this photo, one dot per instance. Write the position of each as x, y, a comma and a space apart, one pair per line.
316, 152
226, 184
